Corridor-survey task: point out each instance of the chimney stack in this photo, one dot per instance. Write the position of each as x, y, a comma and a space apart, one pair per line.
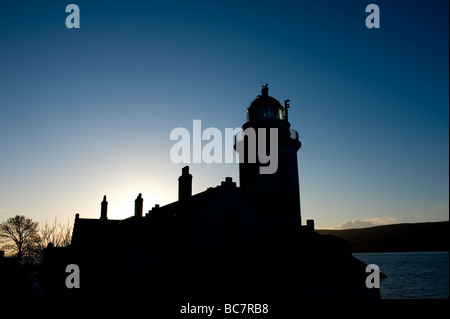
104, 211
138, 204
184, 184
310, 224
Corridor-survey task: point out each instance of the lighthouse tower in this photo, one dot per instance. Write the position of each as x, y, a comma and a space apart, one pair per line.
276, 194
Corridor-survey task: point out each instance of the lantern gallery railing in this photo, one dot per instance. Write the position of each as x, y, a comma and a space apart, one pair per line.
294, 134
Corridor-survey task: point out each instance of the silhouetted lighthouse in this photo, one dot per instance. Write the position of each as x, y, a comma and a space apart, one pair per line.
276, 193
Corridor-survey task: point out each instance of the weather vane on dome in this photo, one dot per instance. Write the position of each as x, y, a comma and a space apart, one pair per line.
264, 89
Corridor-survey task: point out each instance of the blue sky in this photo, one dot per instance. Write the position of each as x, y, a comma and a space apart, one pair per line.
87, 112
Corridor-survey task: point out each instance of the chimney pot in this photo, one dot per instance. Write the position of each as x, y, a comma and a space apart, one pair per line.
184, 184
104, 210
138, 205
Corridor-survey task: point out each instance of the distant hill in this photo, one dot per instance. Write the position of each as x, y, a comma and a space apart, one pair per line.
397, 237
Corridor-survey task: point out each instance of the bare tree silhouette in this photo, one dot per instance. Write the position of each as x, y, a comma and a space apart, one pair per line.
20, 235
55, 233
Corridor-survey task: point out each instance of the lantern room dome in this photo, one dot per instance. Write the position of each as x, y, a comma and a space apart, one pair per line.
265, 107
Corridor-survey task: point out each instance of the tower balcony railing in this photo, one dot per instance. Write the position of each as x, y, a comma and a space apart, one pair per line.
294, 134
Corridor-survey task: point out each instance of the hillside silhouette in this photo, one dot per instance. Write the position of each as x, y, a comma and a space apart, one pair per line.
396, 238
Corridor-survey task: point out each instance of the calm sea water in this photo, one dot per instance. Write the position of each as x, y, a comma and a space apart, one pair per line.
417, 275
